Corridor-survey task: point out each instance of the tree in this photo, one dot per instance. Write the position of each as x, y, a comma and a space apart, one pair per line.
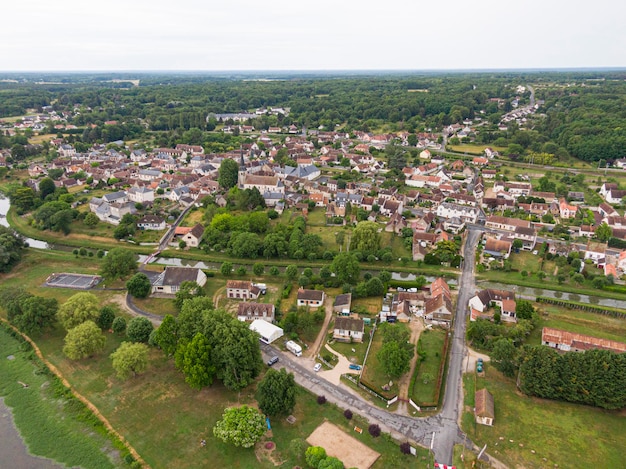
11, 247
604, 232
227, 268
78, 308
191, 317
130, 359
276, 393
188, 289
346, 267
235, 349
106, 318
524, 309
139, 329
374, 430
258, 269
139, 285
35, 313
91, 220
314, 455
83, 341
365, 238
375, 287
330, 462
395, 358
46, 187
241, 426
504, 356
118, 263
166, 336
228, 174
119, 325
291, 271
193, 359
396, 155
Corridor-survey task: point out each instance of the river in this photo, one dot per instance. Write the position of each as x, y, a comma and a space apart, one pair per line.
4, 209
532, 293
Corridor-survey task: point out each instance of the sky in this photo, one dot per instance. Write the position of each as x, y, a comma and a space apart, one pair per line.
225, 35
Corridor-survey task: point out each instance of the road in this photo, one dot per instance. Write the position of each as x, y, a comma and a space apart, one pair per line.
440, 432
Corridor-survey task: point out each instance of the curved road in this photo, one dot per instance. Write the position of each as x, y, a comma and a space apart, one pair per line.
440, 432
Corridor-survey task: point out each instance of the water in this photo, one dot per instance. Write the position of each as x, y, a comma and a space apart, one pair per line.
4, 209
532, 293
408, 277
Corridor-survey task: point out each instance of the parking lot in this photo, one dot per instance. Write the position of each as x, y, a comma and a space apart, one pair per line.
75, 281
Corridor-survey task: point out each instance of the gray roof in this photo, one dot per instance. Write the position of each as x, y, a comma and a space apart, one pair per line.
173, 276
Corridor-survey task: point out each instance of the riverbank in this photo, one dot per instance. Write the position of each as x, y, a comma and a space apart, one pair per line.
51, 422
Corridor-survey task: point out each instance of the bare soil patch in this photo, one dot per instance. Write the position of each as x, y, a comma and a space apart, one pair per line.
339, 444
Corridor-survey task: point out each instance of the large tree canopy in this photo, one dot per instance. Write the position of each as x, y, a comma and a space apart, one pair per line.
346, 267
365, 238
241, 426
78, 308
83, 341
118, 263
11, 246
228, 173
276, 393
130, 359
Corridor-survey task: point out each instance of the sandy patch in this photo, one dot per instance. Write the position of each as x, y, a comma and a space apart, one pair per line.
339, 444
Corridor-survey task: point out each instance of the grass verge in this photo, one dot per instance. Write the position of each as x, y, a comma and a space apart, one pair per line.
431, 348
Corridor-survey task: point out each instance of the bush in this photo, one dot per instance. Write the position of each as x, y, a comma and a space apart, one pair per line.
119, 325
139, 329
106, 318
321, 400
347, 414
274, 271
405, 448
374, 430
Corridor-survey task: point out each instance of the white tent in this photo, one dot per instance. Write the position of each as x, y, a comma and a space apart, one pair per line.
268, 332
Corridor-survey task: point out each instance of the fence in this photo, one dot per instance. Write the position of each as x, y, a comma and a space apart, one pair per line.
389, 401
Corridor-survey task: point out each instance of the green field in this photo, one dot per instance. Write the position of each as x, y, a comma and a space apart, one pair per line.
432, 343
52, 424
581, 322
559, 433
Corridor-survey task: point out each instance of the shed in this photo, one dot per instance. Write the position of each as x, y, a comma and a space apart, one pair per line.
268, 332
484, 407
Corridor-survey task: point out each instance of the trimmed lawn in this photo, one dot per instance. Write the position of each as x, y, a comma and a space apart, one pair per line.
346, 348
431, 342
160, 306
565, 434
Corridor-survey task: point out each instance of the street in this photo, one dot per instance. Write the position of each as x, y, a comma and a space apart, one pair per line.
443, 426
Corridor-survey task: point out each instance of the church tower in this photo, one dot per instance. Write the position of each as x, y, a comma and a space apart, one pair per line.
242, 170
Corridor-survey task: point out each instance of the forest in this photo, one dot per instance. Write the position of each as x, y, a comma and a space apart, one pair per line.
582, 114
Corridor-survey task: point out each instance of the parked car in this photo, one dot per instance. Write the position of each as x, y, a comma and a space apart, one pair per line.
272, 361
354, 367
317, 367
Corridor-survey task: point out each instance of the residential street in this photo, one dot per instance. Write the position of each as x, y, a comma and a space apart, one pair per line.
444, 426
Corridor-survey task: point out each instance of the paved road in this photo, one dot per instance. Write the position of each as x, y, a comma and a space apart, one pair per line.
444, 426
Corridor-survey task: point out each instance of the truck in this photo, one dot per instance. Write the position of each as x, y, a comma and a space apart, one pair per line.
294, 348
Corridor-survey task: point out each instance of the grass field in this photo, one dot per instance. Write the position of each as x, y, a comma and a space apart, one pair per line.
572, 436
159, 407
371, 304
581, 322
51, 424
159, 306
431, 342
472, 148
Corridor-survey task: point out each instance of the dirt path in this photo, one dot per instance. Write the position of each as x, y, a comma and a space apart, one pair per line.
218, 296
315, 348
417, 326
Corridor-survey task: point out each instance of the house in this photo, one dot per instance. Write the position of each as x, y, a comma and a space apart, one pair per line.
169, 281
505, 223
141, 195
439, 308
342, 303
348, 329
497, 248
194, 236
572, 342
567, 210
484, 407
249, 312
310, 298
480, 304
151, 222
268, 332
242, 290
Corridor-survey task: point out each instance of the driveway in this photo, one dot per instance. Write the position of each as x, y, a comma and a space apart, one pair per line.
342, 367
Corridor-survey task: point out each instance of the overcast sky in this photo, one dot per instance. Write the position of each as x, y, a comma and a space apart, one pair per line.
113, 35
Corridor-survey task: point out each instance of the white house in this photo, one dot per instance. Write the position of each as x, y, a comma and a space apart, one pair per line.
466, 213
141, 194
193, 237
169, 281
252, 311
310, 298
151, 222
241, 290
348, 329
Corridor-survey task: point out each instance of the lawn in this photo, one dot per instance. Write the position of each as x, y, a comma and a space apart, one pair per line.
473, 148
581, 322
52, 424
569, 435
431, 344
159, 306
193, 217
372, 305
358, 356
159, 407
374, 373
